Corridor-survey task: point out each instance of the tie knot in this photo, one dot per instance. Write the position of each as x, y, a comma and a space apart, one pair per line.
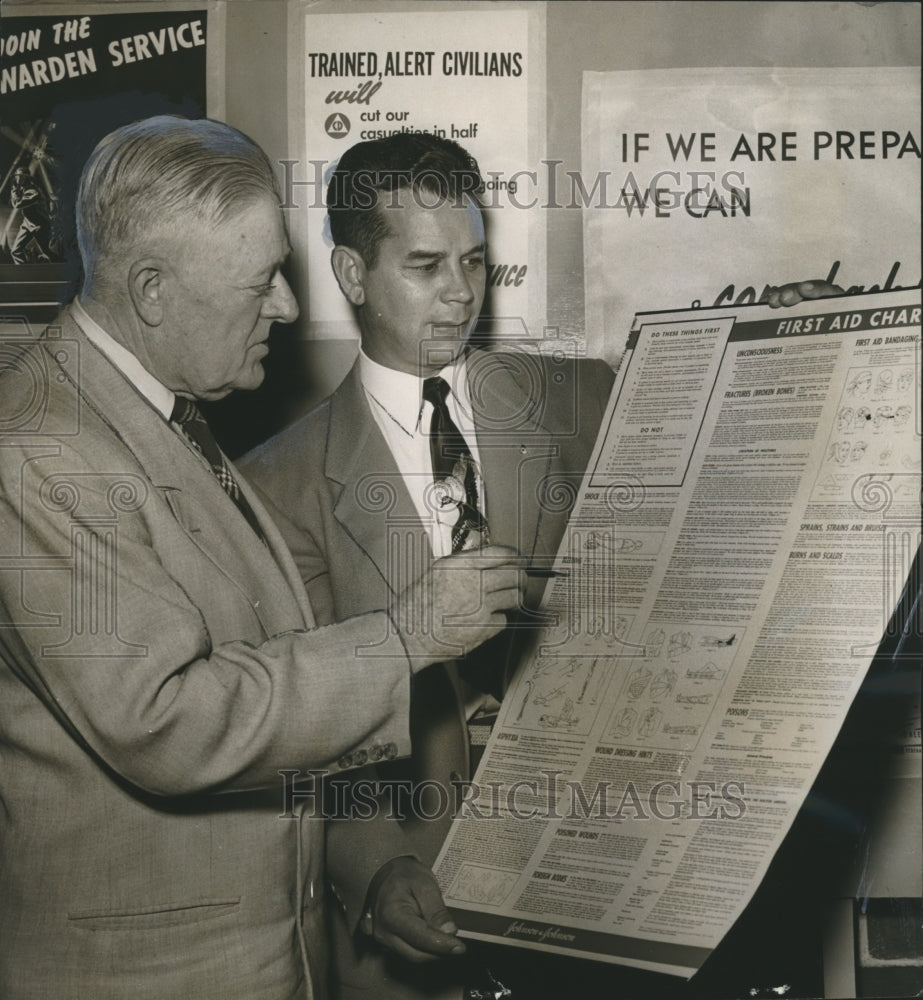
188, 418
435, 390
184, 411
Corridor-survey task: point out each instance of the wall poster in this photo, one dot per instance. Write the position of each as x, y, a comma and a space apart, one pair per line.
735, 554
68, 78
369, 75
709, 183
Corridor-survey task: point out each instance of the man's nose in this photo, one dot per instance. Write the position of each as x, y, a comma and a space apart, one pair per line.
281, 303
458, 287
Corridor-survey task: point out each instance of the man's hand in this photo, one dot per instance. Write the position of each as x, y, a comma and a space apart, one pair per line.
798, 291
406, 912
459, 603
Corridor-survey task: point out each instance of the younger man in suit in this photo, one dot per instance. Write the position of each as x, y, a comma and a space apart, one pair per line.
358, 486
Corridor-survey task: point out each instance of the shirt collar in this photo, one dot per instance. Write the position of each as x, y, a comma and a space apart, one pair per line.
400, 394
154, 391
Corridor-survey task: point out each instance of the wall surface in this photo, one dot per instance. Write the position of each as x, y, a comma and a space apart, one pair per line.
580, 36
667, 34
594, 35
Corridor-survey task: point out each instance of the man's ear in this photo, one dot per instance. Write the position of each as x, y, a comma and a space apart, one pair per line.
146, 288
349, 268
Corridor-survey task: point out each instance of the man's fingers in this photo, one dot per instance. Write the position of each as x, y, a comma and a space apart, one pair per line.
463, 596
409, 915
818, 289
489, 580
798, 291
419, 956
488, 557
498, 552
432, 906
508, 578
507, 598
404, 931
771, 298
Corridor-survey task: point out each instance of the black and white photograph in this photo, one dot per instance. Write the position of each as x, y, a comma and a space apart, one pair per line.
460, 500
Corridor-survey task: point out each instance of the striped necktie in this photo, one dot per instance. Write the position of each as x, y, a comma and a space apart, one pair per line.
187, 416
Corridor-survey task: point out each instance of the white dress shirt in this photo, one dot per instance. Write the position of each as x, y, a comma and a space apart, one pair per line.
403, 417
154, 391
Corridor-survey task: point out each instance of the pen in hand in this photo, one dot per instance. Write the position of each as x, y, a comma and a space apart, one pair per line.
544, 572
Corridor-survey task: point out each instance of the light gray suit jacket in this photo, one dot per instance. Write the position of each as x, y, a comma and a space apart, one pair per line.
159, 666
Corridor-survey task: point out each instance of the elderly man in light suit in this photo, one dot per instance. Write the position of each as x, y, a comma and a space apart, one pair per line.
159, 661
410, 256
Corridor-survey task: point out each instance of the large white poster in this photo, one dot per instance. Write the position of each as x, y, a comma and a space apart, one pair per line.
702, 185
731, 563
462, 74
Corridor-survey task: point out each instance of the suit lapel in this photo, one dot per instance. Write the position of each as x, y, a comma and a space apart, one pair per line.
373, 494
202, 508
516, 451
277, 550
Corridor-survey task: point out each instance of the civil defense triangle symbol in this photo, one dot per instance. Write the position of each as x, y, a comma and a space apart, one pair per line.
338, 124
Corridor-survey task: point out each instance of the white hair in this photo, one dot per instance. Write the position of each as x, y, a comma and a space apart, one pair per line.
164, 172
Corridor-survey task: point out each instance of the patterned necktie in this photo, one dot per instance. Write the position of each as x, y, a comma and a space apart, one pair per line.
454, 469
191, 422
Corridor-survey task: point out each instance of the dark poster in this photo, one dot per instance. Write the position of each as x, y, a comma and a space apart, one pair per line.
64, 83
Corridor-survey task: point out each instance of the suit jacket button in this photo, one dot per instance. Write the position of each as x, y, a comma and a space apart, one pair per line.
360, 757
377, 752
390, 750
345, 761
